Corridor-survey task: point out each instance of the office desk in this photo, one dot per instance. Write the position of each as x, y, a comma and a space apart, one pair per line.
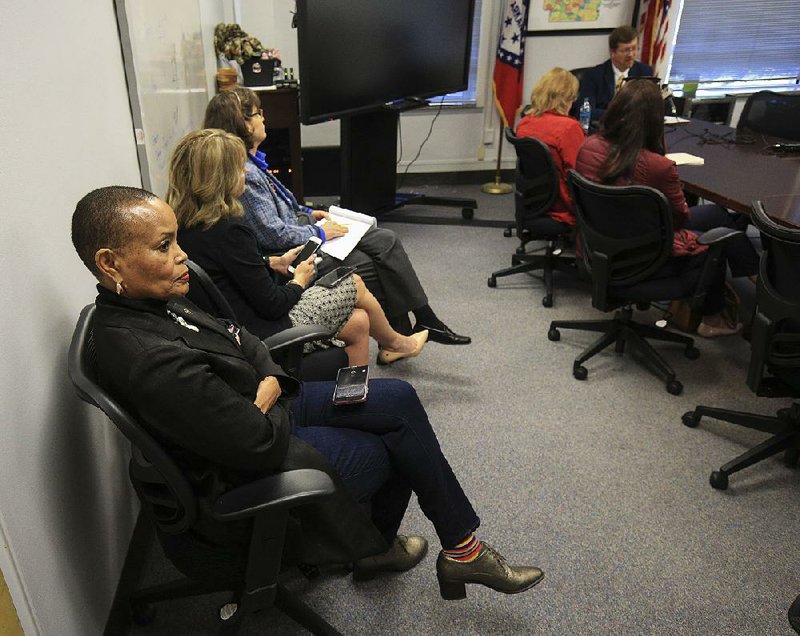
733, 175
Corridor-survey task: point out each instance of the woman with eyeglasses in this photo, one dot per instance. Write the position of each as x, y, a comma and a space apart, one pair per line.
279, 223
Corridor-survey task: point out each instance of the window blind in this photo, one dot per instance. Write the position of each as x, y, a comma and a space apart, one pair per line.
737, 40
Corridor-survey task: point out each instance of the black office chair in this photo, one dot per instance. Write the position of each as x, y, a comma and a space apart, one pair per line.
774, 369
579, 72
169, 501
773, 114
285, 347
626, 235
535, 189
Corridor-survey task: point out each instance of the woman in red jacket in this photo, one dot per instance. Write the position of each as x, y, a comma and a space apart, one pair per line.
549, 122
629, 150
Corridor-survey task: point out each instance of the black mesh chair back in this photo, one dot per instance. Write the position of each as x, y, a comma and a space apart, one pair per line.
625, 234
579, 72
204, 293
773, 114
536, 181
775, 341
536, 186
162, 488
626, 237
774, 368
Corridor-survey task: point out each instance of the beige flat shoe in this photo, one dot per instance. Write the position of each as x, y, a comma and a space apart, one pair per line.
708, 331
385, 356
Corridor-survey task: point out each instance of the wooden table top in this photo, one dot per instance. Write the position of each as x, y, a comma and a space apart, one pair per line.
734, 174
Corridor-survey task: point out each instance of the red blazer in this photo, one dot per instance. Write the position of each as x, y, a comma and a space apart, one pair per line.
652, 170
564, 136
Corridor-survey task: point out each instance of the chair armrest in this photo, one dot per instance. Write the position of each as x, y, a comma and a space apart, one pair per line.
718, 235
275, 492
298, 335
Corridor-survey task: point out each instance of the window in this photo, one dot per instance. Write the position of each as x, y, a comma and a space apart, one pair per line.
469, 96
729, 44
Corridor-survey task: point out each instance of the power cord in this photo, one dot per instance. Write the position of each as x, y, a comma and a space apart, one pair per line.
424, 141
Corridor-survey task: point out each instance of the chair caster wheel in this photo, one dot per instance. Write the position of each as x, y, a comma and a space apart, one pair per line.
790, 457
553, 334
580, 372
492, 282
547, 301
690, 419
692, 353
674, 387
507, 232
467, 213
143, 614
718, 480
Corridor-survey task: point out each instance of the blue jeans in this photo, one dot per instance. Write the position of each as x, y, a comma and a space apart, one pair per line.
384, 449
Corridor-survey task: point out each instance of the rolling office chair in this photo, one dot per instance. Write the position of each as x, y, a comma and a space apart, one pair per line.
626, 235
774, 369
773, 114
535, 189
579, 72
284, 347
169, 501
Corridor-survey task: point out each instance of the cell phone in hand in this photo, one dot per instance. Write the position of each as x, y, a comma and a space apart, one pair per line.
351, 385
309, 248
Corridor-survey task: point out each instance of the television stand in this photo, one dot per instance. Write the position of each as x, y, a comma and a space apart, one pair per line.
369, 174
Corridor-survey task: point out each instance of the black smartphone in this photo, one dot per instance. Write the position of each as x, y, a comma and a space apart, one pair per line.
332, 279
309, 248
351, 385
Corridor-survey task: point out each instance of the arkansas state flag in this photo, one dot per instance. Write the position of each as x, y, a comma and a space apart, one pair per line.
507, 79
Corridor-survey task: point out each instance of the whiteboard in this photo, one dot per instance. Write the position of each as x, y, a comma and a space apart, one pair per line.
164, 56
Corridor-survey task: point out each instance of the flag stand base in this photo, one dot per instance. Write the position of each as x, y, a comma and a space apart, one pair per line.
496, 187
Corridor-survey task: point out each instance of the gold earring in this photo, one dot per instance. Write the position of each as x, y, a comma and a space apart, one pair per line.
119, 288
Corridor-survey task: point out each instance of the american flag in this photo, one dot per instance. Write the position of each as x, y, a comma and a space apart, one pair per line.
657, 33
507, 79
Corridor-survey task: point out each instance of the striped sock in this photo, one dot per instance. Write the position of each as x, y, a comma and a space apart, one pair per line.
468, 550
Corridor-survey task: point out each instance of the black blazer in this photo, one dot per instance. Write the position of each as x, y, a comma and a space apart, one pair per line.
228, 251
597, 84
192, 385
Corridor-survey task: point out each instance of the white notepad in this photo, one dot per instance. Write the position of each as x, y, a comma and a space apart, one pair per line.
685, 159
357, 224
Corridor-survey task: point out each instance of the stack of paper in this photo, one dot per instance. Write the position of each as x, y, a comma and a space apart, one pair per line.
685, 159
357, 225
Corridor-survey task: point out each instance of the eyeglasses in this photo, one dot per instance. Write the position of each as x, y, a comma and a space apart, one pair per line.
258, 112
628, 50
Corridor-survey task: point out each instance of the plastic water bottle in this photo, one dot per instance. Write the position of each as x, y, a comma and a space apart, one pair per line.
585, 115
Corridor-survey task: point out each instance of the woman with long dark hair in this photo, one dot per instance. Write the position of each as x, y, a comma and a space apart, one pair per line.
629, 150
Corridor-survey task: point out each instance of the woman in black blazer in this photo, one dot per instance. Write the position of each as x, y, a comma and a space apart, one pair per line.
209, 391
206, 177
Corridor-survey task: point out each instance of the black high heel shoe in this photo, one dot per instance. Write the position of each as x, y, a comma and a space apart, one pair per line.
489, 569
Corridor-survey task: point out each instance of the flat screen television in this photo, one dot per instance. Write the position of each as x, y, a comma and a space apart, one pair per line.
357, 55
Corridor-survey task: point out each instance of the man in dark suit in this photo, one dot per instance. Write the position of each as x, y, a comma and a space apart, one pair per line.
601, 82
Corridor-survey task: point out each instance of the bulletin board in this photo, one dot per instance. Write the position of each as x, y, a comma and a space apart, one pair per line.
165, 67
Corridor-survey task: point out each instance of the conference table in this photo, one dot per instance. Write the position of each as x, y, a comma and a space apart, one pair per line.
736, 174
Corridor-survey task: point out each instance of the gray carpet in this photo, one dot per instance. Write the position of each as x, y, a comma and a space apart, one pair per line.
597, 482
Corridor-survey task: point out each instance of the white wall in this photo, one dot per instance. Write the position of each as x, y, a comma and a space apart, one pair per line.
462, 139
66, 509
